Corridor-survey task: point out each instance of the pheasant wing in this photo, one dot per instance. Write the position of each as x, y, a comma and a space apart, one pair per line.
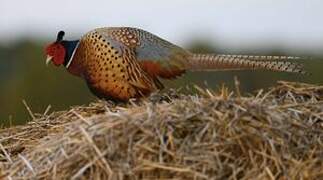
158, 57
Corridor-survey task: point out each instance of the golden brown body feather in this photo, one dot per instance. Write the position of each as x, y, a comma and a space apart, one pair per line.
108, 72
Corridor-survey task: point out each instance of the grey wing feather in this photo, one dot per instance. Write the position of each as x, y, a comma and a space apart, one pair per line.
155, 48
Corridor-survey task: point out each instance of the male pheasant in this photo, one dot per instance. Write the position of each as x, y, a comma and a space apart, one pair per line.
120, 63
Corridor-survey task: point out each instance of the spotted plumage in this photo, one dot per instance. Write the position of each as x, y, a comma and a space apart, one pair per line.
123, 63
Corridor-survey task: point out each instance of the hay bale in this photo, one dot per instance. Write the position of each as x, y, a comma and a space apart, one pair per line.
276, 134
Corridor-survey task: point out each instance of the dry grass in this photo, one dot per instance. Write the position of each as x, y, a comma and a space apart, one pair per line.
277, 134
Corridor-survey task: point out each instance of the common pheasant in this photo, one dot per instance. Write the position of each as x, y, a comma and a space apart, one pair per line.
120, 63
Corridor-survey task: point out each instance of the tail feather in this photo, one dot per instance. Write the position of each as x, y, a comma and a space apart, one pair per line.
262, 58
221, 62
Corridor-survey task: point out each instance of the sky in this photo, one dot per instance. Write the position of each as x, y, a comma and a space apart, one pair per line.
292, 24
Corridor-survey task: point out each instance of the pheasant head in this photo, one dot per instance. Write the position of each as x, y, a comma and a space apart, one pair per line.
61, 51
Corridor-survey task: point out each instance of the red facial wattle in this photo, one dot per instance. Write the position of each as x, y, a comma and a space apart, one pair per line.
57, 51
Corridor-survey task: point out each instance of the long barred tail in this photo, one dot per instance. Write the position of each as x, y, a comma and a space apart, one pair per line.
221, 62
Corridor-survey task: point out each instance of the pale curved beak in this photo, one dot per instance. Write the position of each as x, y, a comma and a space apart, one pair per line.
48, 59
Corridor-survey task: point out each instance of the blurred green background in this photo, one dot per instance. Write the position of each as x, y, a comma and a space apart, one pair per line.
261, 28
